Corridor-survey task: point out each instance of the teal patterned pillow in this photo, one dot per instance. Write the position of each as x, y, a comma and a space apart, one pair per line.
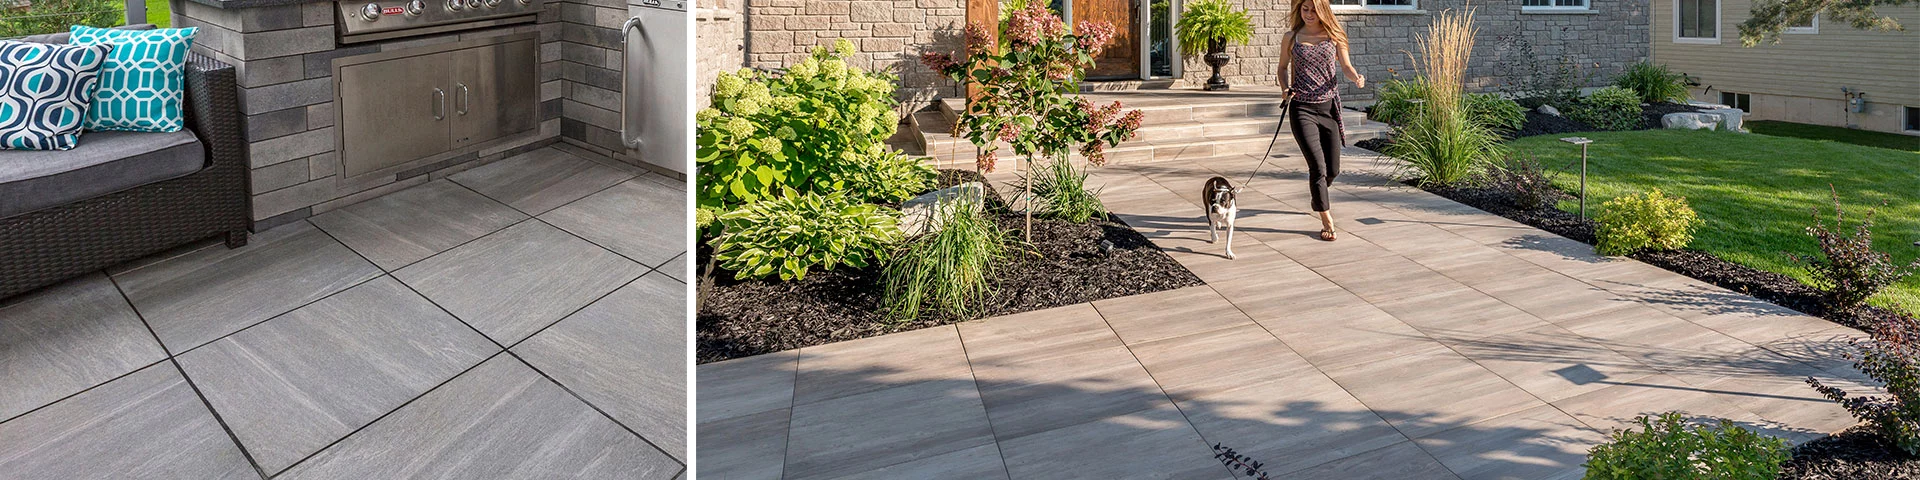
143, 84
44, 92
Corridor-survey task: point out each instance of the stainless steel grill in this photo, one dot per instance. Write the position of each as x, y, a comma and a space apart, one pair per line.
362, 21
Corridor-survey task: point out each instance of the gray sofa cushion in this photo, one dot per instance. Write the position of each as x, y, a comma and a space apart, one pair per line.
105, 162
61, 37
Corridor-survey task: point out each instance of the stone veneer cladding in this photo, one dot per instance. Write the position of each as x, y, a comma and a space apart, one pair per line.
892, 34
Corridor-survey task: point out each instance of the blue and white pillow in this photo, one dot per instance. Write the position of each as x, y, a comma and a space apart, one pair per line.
143, 85
44, 93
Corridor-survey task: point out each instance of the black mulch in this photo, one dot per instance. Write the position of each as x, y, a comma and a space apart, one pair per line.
1772, 287
1857, 453
1542, 124
1065, 265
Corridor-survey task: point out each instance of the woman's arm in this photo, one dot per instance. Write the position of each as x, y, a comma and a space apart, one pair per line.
1359, 81
1286, 59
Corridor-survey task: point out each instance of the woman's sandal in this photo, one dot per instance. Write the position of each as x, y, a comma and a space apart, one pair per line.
1327, 234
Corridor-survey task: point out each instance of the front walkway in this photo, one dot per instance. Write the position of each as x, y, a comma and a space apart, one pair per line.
1431, 341
522, 319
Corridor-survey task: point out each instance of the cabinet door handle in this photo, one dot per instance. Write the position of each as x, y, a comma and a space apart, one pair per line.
461, 90
439, 104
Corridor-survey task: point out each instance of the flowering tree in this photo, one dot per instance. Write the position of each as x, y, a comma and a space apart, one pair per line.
1029, 81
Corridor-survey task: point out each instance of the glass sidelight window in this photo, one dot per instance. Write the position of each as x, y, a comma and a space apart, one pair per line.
1160, 53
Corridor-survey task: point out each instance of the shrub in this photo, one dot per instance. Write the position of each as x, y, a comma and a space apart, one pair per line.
50, 16
1611, 108
887, 176
1646, 221
947, 270
1524, 179
766, 133
1060, 192
792, 233
1848, 270
1495, 111
1396, 100
1667, 448
1892, 358
1654, 83
1206, 21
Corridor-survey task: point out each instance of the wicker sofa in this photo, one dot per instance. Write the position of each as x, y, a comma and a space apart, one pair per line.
137, 193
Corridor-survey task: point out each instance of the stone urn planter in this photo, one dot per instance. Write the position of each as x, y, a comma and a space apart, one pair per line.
1217, 57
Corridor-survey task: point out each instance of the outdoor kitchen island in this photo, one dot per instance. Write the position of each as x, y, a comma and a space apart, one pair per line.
350, 100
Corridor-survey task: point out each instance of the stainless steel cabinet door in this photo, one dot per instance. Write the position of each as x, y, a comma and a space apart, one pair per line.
495, 91
401, 108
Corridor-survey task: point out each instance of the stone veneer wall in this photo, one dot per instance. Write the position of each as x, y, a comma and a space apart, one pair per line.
283, 55
893, 33
590, 60
719, 45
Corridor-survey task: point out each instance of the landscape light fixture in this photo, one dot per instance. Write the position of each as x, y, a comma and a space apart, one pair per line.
1582, 142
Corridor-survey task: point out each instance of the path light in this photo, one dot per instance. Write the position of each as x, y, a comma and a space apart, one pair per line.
1582, 142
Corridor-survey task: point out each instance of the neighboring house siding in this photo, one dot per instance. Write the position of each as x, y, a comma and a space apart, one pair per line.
1799, 79
893, 33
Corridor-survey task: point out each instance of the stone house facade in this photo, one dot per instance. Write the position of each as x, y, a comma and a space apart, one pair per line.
1602, 36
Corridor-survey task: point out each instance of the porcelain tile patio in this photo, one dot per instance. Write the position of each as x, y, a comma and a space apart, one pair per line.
298, 356
1432, 340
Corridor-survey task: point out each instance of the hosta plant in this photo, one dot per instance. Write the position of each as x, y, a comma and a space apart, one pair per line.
798, 130
1848, 270
1667, 447
1648, 221
1891, 357
887, 176
790, 234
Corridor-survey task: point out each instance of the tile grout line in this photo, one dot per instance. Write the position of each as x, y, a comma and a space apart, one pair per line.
557, 227
507, 349
793, 403
175, 361
1156, 383
997, 448
383, 416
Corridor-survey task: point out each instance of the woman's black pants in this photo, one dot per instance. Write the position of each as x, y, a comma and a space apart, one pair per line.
1316, 127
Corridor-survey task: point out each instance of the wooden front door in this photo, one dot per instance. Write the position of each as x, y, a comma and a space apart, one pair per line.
1121, 59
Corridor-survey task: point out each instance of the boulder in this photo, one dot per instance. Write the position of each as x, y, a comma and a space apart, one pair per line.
1730, 118
1690, 120
1549, 110
924, 214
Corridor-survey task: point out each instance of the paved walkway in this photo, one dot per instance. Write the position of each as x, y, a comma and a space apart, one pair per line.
522, 319
1431, 341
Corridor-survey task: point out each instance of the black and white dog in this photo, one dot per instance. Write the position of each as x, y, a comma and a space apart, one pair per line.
1221, 209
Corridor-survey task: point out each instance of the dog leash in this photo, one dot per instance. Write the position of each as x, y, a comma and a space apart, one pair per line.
1284, 102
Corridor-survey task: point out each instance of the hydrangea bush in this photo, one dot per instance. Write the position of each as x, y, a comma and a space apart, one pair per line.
809, 129
1029, 83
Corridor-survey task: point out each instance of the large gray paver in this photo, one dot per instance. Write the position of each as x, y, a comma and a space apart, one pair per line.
401, 228
541, 180
147, 424
67, 338
627, 354
644, 221
514, 282
1432, 340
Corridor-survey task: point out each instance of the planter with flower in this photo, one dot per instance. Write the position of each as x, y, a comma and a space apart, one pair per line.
1208, 26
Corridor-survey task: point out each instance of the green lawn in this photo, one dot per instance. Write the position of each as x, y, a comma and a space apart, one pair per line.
1756, 192
158, 14
1869, 138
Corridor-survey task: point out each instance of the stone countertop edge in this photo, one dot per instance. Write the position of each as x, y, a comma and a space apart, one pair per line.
239, 4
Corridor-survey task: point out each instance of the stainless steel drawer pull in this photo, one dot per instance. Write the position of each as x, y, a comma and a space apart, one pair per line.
461, 89
439, 104
629, 134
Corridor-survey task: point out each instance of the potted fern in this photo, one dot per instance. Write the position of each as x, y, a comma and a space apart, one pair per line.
1207, 25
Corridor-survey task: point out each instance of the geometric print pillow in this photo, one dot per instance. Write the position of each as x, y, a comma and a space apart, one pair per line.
44, 93
143, 85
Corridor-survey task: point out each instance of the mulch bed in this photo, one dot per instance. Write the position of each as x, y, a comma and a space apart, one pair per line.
1542, 124
1065, 265
1857, 453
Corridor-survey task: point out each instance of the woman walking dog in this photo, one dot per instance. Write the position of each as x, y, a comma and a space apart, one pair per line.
1314, 43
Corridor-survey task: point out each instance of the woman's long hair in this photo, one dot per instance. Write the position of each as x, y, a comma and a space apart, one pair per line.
1327, 21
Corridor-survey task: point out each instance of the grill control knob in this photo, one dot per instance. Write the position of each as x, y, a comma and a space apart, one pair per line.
493, 3
416, 7
526, 2
455, 5
473, 4
371, 12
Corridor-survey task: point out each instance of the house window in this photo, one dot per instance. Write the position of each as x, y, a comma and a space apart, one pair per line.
1737, 100
1913, 119
1373, 4
1530, 5
1811, 26
1696, 21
